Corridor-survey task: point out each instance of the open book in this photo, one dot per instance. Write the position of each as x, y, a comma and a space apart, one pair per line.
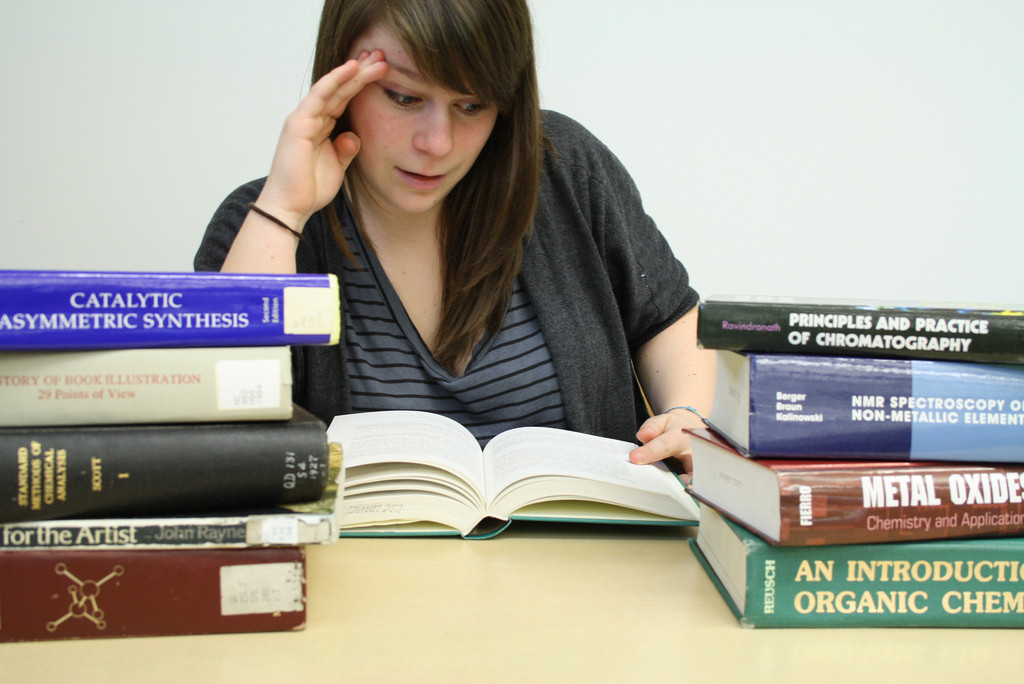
410, 472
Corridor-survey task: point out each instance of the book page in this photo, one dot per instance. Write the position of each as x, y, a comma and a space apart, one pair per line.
530, 452
380, 476
408, 436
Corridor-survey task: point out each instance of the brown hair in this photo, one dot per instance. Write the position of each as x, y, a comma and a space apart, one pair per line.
484, 47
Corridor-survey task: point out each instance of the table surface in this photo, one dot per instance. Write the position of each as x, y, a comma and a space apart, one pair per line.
539, 603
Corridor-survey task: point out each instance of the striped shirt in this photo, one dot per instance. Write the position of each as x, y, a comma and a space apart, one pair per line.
509, 382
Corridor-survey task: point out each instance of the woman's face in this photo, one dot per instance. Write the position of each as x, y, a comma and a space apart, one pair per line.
417, 139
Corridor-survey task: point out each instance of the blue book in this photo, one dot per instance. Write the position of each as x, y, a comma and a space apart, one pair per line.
111, 309
807, 406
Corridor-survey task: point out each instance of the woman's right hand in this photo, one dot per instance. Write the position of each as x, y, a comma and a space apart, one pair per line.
308, 167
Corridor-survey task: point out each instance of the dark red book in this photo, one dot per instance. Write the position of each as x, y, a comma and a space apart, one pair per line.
813, 502
86, 594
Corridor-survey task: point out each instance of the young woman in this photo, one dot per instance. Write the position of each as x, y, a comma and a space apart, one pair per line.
496, 262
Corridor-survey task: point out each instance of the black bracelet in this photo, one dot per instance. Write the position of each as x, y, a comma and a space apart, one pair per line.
271, 217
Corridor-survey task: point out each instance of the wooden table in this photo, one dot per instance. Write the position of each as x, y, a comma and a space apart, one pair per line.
540, 603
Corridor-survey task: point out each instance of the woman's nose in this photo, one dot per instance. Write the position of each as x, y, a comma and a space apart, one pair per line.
434, 136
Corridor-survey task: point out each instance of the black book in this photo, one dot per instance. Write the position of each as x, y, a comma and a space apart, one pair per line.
117, 470
955, 332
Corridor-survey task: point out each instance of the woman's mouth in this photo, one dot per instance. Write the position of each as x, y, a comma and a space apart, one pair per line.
420, 181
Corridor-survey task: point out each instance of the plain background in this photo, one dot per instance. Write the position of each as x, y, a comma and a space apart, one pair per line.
869, 149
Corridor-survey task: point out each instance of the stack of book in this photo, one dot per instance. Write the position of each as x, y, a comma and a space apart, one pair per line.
155, 476
864, 464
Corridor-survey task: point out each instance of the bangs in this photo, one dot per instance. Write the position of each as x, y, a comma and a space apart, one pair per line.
471, 48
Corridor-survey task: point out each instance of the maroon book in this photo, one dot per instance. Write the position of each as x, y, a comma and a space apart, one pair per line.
83, 594
809, 502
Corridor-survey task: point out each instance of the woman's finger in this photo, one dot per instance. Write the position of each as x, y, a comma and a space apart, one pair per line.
331, 94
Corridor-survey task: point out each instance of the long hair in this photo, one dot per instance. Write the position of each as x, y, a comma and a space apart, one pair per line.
484, 47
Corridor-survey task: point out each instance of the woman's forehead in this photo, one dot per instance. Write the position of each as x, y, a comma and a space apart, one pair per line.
384, 39
400, 58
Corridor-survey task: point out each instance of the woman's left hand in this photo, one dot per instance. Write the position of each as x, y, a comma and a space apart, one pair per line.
674, 372
663, 436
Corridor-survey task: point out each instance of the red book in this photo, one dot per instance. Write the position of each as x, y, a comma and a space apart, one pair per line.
85, 594
808, 502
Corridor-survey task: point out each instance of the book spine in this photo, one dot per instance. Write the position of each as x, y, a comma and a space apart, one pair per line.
303, 523
50, 595
173, 385
283, 528
848, 330
963, 583
893, 409
863, 506
108, 470
102, 310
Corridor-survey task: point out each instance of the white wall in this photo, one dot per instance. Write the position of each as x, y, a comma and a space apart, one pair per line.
864, 148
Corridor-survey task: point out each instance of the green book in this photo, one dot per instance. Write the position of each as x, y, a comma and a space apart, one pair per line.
940, 583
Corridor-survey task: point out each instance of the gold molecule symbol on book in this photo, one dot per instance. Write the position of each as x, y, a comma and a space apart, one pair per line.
83, 598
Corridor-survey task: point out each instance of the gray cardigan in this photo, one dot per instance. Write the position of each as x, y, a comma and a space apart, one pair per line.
602, 279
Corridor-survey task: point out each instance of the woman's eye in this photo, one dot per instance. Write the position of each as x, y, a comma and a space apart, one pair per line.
472, 107
401, 99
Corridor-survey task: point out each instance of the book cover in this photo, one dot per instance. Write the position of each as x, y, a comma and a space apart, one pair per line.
983, 333
805, 502
940, 583
48, 595
301, 523
145, 385
789, 405
114, 309
116, 470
